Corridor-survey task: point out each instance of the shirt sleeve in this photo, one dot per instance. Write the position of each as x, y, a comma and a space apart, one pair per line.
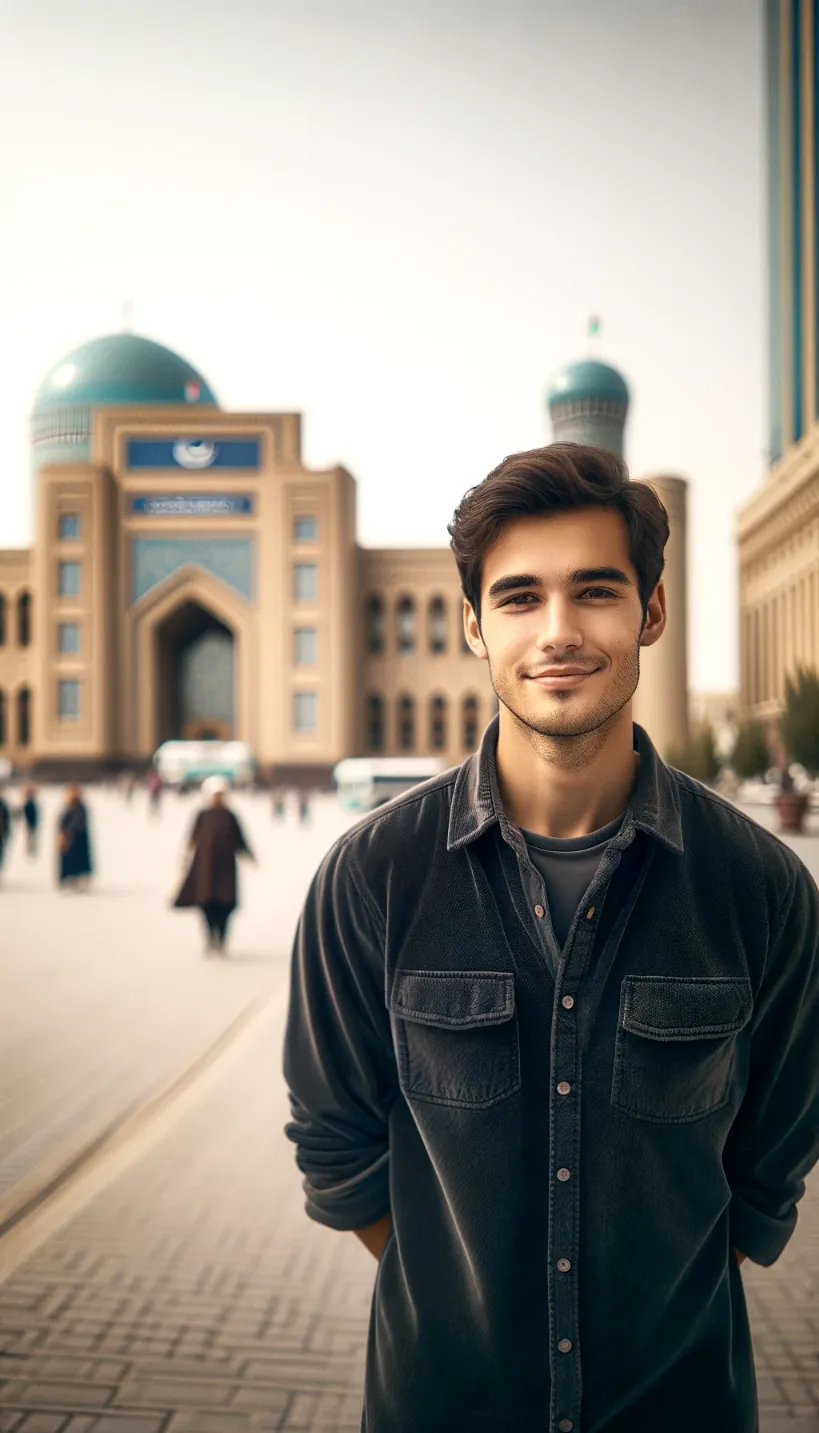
774, 1141
339, 1062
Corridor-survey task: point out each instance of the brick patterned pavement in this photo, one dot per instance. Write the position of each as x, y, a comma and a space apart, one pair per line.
106, 996
193, 1295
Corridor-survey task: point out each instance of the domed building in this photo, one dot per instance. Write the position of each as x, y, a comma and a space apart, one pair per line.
190, 577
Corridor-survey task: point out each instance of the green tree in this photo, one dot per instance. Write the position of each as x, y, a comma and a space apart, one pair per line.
698, 757
799, 722
750, 756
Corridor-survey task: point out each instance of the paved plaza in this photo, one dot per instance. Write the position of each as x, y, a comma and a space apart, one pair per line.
184, 1290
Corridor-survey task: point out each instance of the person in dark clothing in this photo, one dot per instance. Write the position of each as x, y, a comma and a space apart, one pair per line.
155, 789
552, 1045
31, 818
304, 808
5, 827
211, 881
74, 843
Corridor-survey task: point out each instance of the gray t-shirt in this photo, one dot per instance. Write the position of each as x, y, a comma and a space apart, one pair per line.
568, 868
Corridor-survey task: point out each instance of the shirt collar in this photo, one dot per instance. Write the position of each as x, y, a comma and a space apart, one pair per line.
476, 803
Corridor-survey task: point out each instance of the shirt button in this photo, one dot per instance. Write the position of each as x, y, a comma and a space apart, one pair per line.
563, 1175
565, 1345
564, 1265
539, 911
563, 1088
567, 1002
565, 1425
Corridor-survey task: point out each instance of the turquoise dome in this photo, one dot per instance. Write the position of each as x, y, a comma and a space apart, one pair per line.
121, 368
584, 379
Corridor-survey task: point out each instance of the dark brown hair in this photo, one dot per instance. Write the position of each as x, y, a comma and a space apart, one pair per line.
554, 479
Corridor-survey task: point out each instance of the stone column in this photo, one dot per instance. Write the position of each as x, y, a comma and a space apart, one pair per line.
661, 699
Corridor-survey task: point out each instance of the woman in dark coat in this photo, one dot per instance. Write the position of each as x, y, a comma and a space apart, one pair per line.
215, 841
30, 812
73, 842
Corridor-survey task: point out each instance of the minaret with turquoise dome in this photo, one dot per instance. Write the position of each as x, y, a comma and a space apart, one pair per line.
588, 403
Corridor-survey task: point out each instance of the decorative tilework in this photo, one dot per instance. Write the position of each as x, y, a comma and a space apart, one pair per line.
155, 558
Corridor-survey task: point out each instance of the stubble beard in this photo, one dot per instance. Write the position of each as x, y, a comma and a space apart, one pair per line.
565, 716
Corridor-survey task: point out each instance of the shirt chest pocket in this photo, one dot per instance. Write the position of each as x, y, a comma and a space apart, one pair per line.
676, 1044
456, 1036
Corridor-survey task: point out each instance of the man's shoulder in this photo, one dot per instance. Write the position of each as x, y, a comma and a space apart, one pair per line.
411, 828
713, 824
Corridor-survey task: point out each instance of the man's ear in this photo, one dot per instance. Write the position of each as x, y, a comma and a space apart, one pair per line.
655, 618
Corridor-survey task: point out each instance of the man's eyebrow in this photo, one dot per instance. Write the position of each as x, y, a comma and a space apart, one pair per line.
513, 580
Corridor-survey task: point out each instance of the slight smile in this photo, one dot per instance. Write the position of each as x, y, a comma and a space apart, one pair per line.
572, 679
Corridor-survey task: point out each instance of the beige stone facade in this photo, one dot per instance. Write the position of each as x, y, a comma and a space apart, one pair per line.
191, 577
375, 678
778, 537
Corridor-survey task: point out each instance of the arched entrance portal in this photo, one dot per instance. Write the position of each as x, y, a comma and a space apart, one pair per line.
196, 669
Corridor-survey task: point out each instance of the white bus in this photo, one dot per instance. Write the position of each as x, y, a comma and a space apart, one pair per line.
193, 761
364, 782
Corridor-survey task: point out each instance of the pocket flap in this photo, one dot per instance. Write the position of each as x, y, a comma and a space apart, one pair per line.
446, 997
667, 1007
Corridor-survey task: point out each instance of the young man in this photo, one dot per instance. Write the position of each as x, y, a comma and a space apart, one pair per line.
553, 1037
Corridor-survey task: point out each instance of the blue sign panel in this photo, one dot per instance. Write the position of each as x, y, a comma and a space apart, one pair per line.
192, 505
193, 454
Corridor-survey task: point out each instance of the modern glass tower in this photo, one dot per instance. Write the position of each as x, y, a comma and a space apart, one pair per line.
791, 51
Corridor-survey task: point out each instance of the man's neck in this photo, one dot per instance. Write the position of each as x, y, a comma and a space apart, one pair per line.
565, 787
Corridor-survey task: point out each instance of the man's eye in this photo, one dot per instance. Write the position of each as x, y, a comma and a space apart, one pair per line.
521, 597
599, 592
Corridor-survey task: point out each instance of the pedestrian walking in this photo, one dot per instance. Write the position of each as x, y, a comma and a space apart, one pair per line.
552, 1045
5, 827
155, 788
210, 884
279, 808
74, 843
31, 818
304, 808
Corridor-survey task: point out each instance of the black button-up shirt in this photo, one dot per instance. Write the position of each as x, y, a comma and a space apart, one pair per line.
570, 1142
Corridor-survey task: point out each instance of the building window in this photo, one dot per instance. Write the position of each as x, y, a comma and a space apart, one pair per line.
69, 579
304, 529
406, 723
437, 723
374, 625
69, 526
306, 581
2, 620
305, 713
68, 699
68, 637
24, 619
306, 654
470, 723
406, 624
374, 723
23, 716
436, 625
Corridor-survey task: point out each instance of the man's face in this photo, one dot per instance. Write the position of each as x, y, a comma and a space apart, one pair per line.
582, 612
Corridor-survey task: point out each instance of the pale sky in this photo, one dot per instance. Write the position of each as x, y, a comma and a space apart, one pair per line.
396, 219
